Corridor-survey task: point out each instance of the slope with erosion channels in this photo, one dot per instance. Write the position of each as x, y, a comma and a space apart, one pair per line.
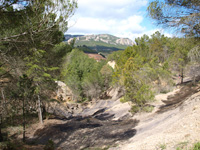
174, 124
108, 123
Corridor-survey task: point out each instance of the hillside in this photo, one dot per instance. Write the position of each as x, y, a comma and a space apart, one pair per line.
102, 42
69, 36
107, 124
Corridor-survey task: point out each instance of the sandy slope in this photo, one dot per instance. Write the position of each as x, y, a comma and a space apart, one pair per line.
177, 127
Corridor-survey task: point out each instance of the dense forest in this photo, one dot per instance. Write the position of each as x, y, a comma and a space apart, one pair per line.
33, 56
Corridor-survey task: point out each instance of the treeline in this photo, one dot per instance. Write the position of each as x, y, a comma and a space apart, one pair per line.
150, 65
31, 54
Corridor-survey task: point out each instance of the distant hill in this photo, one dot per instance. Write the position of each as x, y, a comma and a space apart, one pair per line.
102, 42
69, 36
86, 49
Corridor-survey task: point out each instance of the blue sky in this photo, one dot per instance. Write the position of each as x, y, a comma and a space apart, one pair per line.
122, 18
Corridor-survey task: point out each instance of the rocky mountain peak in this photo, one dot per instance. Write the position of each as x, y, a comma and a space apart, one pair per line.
105, 38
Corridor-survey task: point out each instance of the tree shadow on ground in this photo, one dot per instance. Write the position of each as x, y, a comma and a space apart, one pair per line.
176, 100
84, 132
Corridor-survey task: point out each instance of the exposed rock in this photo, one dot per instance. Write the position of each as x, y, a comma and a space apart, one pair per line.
124, 41
112, 64
64, 110
112, 107
106, 38
64, 93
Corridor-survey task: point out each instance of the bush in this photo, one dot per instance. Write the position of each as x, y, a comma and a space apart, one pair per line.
135, 109
163, 146
123, 100
86, 77
182, 145
144, 108
197, 146
11, 145
148, 108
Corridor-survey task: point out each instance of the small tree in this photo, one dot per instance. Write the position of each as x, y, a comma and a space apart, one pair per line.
29, 30
25, 93
140, 66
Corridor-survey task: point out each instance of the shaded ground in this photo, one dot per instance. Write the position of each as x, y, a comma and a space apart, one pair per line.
176, 100
99, 124
80, 133
108, 123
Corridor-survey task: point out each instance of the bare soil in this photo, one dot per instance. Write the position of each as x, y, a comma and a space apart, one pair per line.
175, 122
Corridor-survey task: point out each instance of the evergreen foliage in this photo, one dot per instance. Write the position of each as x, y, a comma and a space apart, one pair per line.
152, 63
85, 76
144, 66
29, 33
181, 14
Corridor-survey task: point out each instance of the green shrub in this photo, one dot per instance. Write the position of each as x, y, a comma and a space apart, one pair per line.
197, 146
135, 109
181, 145
163, 146
148, 109
10, 145
97, 148
86, 77
123, 100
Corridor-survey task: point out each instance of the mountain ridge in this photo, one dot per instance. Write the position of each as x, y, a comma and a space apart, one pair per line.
107, 38
101, 42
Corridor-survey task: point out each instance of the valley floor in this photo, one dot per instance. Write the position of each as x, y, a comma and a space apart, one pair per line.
107, 124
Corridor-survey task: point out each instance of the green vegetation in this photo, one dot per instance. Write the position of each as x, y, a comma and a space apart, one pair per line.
97, 148
182, 145
183, 15
30, 39
85, 76
162, 146
99, 45
197, 146
149, 66
86, 49
33, 56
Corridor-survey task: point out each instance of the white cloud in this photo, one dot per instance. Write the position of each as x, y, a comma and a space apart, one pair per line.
109, 8
111, 26
121, 18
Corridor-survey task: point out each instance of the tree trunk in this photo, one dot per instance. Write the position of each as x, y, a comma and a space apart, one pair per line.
181, 75
24, 122
4, 101
194, 80
39, 110
1, 116
1, 136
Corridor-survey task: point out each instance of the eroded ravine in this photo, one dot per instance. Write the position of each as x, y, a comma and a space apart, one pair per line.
109, 123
